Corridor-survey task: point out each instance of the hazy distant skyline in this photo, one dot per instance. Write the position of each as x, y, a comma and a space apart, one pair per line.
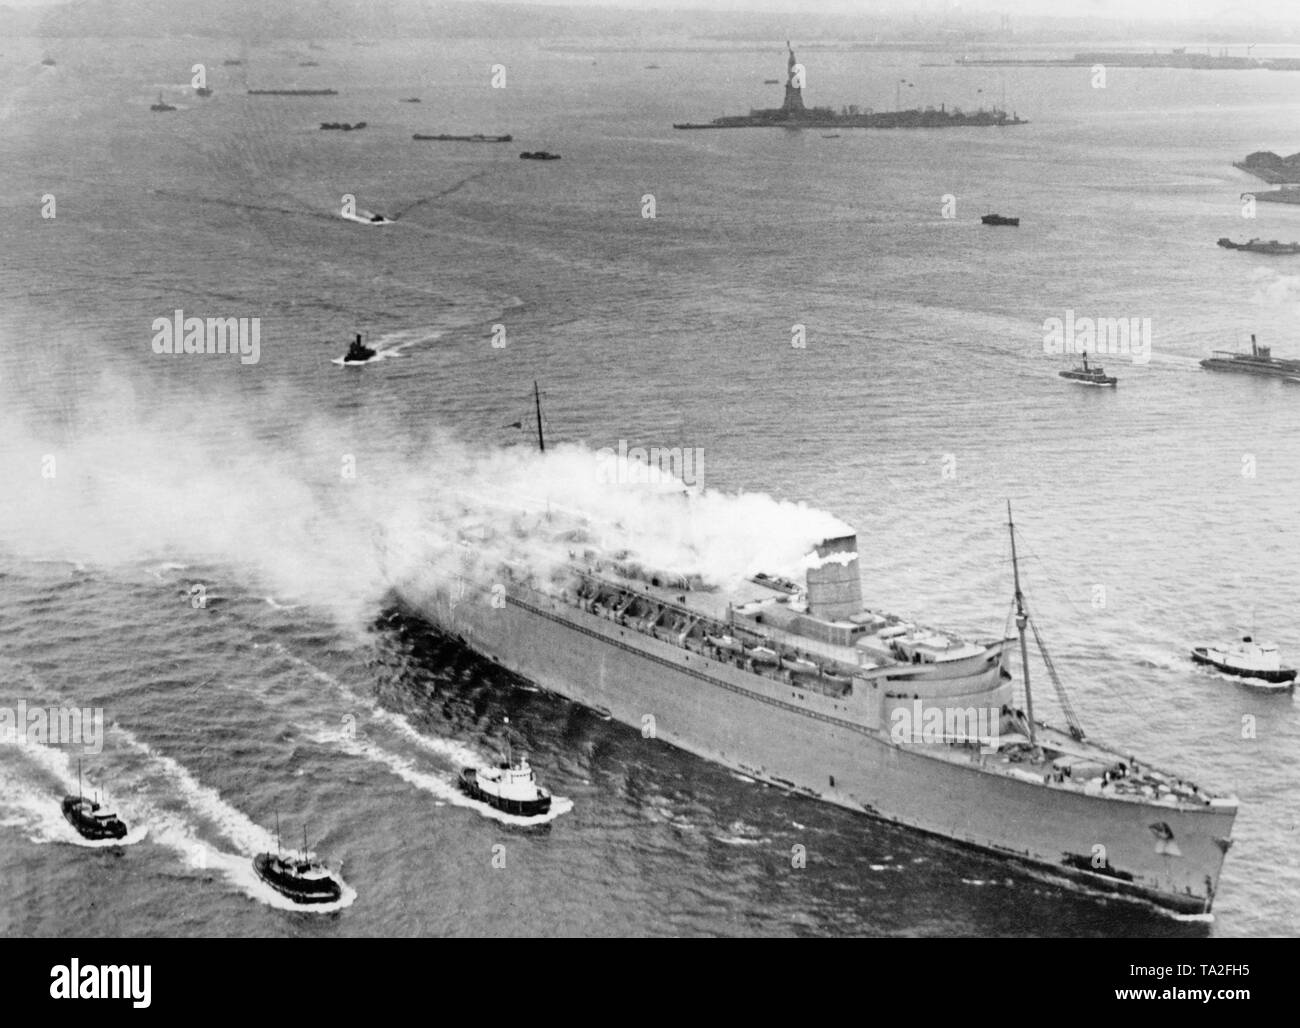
1227, 11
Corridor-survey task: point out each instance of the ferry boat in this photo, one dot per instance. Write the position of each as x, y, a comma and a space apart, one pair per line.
476, 138
538, 155
998, 219
90, 818
1260, 361
298, 876
1259, 246
1248, 659
1089, 374
622, 639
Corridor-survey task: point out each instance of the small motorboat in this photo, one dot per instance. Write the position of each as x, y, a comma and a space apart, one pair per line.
538, 155
1086, 374
510, 786
90, 818
161, 106
1248, 659
358, 352
998, 219
298, 876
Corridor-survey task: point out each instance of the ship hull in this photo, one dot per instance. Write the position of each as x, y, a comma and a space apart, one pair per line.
523, 808
325, 891
1280, 676
89, 827
821, 746
1249, 368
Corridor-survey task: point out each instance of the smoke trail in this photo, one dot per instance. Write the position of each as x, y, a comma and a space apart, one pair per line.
308, 510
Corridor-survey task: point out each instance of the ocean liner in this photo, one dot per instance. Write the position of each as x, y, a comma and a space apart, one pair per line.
802, 686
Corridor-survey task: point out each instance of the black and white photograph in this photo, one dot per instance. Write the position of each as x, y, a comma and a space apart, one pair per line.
728, 469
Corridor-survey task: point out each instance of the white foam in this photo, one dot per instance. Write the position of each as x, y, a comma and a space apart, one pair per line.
203, 799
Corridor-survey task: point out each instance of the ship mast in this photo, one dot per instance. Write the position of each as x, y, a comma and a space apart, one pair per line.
1022, 619
537, 403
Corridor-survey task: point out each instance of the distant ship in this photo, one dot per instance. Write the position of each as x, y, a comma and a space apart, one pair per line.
1087, 374
807, 691
998, 219
299, 876
48, 62
161, 106
538, 155
358, 352
203, 91
476, 138
1259, 246
293, 92
90, 818
1247, 659
793, 114
341, 126
1260, 361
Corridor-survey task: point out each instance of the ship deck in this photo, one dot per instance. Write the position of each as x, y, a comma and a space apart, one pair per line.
1055, 759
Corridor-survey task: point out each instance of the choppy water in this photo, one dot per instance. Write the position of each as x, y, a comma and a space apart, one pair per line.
921, 402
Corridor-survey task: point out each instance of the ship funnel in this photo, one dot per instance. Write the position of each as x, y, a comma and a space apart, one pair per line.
834, 582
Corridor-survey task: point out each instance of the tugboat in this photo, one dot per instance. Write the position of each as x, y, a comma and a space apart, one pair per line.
538, 155
1248, 659
161, 106
90, 818
998, 219
510, 786
358, 352
297, 876
1086, 374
